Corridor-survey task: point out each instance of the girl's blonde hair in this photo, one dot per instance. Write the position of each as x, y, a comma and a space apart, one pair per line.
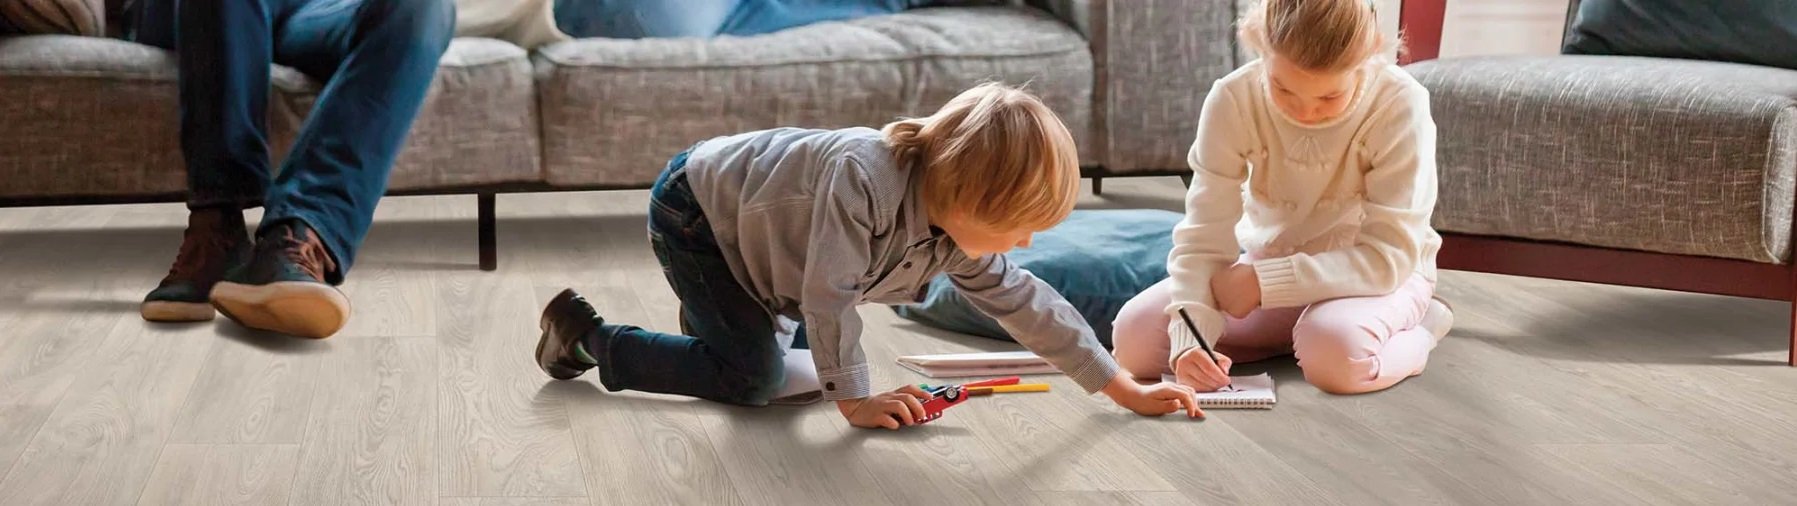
1316, 35
995, 155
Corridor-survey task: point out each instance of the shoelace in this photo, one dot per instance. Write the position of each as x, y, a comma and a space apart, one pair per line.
305, 252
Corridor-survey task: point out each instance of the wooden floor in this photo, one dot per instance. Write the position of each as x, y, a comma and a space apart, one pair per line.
1546, 393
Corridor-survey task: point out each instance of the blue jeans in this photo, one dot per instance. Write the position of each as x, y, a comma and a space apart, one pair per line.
733, 355
376, 58
635, 19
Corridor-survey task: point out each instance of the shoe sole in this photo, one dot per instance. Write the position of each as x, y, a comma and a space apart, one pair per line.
544, 362
300, 309
176, 312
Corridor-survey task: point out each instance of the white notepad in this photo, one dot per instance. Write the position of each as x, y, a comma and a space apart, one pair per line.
1244, 392
962, 365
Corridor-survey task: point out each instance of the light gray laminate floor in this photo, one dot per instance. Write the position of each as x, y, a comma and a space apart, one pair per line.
1546, 393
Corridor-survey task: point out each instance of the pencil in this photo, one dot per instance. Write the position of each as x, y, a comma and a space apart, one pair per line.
1200, 337
1008, 389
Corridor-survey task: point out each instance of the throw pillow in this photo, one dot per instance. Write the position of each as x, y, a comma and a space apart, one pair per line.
1758, 32
64, 17
1098, 260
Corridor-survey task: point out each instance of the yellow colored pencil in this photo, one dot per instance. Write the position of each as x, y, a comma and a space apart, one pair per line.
1009, 389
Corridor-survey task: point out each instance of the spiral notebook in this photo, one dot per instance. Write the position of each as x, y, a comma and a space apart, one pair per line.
1245, 392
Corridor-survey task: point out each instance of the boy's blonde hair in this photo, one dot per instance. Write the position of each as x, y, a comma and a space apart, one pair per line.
995, 155
1316, 35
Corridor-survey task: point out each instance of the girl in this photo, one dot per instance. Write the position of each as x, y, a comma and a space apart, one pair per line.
759, 230
1316, 165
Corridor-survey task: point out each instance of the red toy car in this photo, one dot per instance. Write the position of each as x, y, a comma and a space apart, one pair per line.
942, 398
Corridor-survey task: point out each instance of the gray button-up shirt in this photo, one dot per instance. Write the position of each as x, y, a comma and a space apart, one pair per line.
816, 222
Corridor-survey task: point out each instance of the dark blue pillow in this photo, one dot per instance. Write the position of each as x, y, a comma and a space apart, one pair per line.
1098, 260
1759, 32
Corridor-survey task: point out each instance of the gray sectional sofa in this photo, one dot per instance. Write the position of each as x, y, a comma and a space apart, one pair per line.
91, 120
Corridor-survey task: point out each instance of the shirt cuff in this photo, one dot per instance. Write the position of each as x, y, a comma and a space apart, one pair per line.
1278, 282
845, 383
1095, 372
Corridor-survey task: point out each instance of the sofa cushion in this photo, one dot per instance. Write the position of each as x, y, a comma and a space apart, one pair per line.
615, 110
1097, 260
1760, 32
93, 117
478, 125
1670, 156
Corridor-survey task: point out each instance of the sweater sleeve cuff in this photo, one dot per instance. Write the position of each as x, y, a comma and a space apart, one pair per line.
1278, 282
1095, 372
845, 383
1210, 324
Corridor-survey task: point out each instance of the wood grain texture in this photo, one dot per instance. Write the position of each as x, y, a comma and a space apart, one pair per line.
221, 474
255, 388
103, 438
500, 432
1547, 392
370, 436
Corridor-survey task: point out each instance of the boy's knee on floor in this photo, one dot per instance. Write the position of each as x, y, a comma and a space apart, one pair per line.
760, 382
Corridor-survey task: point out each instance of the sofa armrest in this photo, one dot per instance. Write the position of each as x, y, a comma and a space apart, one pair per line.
1154, 60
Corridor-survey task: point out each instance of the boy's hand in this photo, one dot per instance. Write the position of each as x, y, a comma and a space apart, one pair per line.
1237, 290
890, 410
1152, 400
1194, 370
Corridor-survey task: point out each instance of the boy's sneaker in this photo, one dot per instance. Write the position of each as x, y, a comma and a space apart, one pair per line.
215, 242
282, 288
566, 321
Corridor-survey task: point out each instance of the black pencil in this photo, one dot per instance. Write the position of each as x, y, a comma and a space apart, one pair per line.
1200, 337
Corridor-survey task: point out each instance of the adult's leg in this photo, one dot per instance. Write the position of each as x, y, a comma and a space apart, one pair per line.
1363, 344
223, 81
377, 59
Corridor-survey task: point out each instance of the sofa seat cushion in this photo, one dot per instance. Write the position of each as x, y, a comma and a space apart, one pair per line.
615, 110
478, 125
1668, 156
92, 117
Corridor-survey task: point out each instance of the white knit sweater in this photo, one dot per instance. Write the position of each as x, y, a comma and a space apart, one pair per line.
527, 23
1337, 209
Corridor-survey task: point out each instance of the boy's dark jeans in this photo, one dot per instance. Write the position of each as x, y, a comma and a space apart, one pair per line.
376, 59
733, 356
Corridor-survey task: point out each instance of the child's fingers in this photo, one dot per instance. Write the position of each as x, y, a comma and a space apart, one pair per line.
889, 423
915, 407
898, 408
1168, 406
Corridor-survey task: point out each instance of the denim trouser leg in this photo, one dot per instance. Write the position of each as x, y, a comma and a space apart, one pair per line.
734, 356
377, 59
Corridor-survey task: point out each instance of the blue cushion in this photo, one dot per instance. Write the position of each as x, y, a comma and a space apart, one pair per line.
1758, 32
1098, 260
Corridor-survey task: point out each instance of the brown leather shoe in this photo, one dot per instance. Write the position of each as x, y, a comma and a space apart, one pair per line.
282, 288
565, 323
215, 241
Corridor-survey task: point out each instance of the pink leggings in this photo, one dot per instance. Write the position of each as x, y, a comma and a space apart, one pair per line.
1345, 346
